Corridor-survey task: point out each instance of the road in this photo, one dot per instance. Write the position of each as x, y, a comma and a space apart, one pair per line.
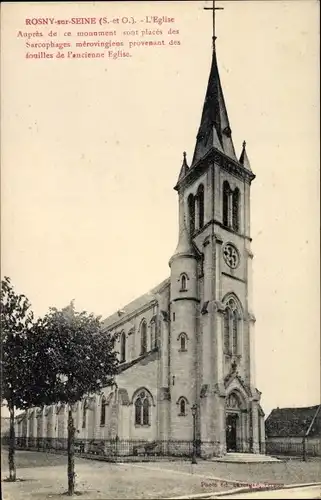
287, 493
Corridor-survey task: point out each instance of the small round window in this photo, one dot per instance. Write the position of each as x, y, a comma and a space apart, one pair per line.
231, 255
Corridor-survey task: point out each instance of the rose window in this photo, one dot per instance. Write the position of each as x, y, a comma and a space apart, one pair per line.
231, 256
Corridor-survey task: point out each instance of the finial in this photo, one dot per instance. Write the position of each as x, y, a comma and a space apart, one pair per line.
184, 159
244, 144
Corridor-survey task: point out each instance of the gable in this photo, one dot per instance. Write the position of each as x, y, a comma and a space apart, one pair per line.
234, 381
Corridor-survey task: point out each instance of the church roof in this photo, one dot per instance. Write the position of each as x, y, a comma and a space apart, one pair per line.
286, 422
214, 130
136, 304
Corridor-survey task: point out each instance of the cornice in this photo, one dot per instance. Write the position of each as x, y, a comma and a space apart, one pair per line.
185, 298
233, 277
221, 159
222, 226
150, 354
124, 319
233, 167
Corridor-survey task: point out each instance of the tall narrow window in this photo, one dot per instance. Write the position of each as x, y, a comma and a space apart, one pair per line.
142, 409
235, 209
84, 414
143, 338
231, 328
103, 411
182, 338
227, 316
226, 194
146, 412
183, 283
234, 341
191, 213
182, 402
200, 200
123, 347
138, 411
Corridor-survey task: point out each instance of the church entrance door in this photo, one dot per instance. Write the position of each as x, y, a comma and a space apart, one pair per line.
231, 425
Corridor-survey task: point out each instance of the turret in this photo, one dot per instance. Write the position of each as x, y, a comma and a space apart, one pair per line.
184, 305
183, 266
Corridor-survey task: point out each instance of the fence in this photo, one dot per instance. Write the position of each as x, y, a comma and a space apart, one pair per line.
119, 449
131, 448
112, 448
307, 448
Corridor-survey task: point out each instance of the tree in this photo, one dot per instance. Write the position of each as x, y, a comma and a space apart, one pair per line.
75, 359
16, 362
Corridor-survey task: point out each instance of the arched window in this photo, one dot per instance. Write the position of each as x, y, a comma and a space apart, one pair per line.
123, 347
84, 414
235, 209
142, 409
182, 402
226, 194
191, 213
183, 341
143, 338
184, 279
227, 315
200, 200
231, 327
103, 411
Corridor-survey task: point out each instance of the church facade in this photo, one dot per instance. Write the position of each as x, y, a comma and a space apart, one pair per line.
189, 342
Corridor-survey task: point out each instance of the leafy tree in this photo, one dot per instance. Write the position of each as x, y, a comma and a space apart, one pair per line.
16, 359
75, 359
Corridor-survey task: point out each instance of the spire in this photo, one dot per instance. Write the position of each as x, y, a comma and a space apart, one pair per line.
214, 130
184, 168
185, 247
244, 160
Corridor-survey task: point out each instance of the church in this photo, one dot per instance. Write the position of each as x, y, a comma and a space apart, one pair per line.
186, 348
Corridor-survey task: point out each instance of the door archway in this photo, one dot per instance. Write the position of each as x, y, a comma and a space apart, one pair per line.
233, 423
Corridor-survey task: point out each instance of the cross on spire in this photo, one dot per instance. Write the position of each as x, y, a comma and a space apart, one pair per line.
213, 8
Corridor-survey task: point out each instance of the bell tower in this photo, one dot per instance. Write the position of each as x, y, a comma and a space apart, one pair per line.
215, 255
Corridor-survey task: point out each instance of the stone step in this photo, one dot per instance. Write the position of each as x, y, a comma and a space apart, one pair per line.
245, 458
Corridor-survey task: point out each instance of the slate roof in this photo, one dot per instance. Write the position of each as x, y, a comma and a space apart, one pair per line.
214, 130
294, 422
136, 304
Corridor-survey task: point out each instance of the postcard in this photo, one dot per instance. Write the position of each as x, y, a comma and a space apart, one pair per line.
160, 174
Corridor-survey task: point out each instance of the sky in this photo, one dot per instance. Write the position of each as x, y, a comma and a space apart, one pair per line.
91, 151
